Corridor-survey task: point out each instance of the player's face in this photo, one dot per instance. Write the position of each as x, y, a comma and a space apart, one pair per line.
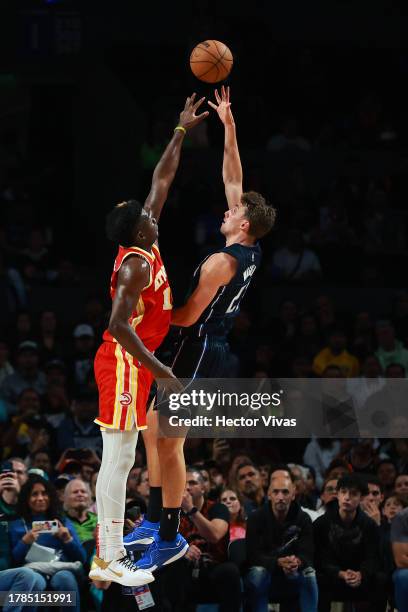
234, 220
148, 227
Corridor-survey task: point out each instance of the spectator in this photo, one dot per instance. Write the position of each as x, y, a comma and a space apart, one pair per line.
17, 580
30, 433
401, 487
9, 490
308, 341
328, 494
391, 506
27, 375
294, 262
288, 138
399, 539
338, 468
237, 525
13, 293
84, 353
77, 503
38, 501
41, 459
347, 550
401, 447
143, 487
318, 454
336, 354
362, 456
49, 344
280, 550
78, 429
386, 474
390, 350
265, 474
133, 482
371, 502
299, 477
205, 574
250, 486
369, 382
6, 369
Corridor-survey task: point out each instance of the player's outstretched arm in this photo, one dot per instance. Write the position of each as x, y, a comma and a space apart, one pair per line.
231, 167
216, 272
166, 169
134, 276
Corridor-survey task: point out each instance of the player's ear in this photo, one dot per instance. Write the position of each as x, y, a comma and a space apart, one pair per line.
244, 225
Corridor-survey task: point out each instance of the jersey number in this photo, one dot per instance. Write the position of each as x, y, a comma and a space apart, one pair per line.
167, 305
236, 300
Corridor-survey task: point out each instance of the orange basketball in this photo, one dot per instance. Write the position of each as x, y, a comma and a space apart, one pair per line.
211, 61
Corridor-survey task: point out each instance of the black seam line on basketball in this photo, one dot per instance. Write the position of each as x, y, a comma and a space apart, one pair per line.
209, 52
221, 58
207, 71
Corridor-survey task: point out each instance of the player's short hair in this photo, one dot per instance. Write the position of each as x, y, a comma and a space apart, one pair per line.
121, 222
260, 214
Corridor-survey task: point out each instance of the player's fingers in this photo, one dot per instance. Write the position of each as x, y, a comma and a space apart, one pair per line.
202, 116
217, 96
193, 98
214, 106
228, 93
198, 104
223, 92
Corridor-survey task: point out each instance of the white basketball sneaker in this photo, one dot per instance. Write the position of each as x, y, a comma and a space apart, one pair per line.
121, 570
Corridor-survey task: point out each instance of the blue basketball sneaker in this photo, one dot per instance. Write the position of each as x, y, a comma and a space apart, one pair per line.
161, 552
141, 536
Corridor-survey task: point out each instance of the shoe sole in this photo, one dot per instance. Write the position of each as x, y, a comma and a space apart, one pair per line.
175, 558
123, 582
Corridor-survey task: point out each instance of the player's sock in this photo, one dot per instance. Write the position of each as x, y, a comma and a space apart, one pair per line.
113, 529
155, 505
169, 523
100, 540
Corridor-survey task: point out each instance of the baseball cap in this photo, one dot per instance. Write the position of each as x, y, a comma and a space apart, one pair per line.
27, 345
38, 472
55, 363
83, 330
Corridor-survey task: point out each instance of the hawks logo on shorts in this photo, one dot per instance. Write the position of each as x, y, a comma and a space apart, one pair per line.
123, 384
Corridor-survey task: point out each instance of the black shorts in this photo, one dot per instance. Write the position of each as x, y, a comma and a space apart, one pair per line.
192, 358
205, 357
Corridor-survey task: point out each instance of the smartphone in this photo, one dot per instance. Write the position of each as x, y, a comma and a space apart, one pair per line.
45, 526
6, 467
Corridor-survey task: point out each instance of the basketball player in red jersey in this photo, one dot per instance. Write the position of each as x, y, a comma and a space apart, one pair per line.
125, 365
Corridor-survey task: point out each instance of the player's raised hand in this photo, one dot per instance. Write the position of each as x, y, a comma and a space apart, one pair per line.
223, 106
188, 117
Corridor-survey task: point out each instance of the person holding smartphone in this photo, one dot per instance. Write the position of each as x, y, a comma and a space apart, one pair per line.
38, 502
9, 490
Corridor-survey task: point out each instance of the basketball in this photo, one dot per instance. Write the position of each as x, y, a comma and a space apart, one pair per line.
211, 61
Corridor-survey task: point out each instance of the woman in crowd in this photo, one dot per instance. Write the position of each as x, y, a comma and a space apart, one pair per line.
38, 502
237, 527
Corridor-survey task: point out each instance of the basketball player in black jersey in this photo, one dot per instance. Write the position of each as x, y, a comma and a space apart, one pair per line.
220, 283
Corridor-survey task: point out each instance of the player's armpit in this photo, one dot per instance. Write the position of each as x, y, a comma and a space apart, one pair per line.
216, 272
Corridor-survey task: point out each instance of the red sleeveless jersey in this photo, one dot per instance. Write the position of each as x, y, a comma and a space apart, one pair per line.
150, 318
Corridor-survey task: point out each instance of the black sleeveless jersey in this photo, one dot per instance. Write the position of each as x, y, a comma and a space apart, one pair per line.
217, 319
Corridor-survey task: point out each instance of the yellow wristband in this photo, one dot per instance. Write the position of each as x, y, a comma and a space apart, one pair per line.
180, 128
